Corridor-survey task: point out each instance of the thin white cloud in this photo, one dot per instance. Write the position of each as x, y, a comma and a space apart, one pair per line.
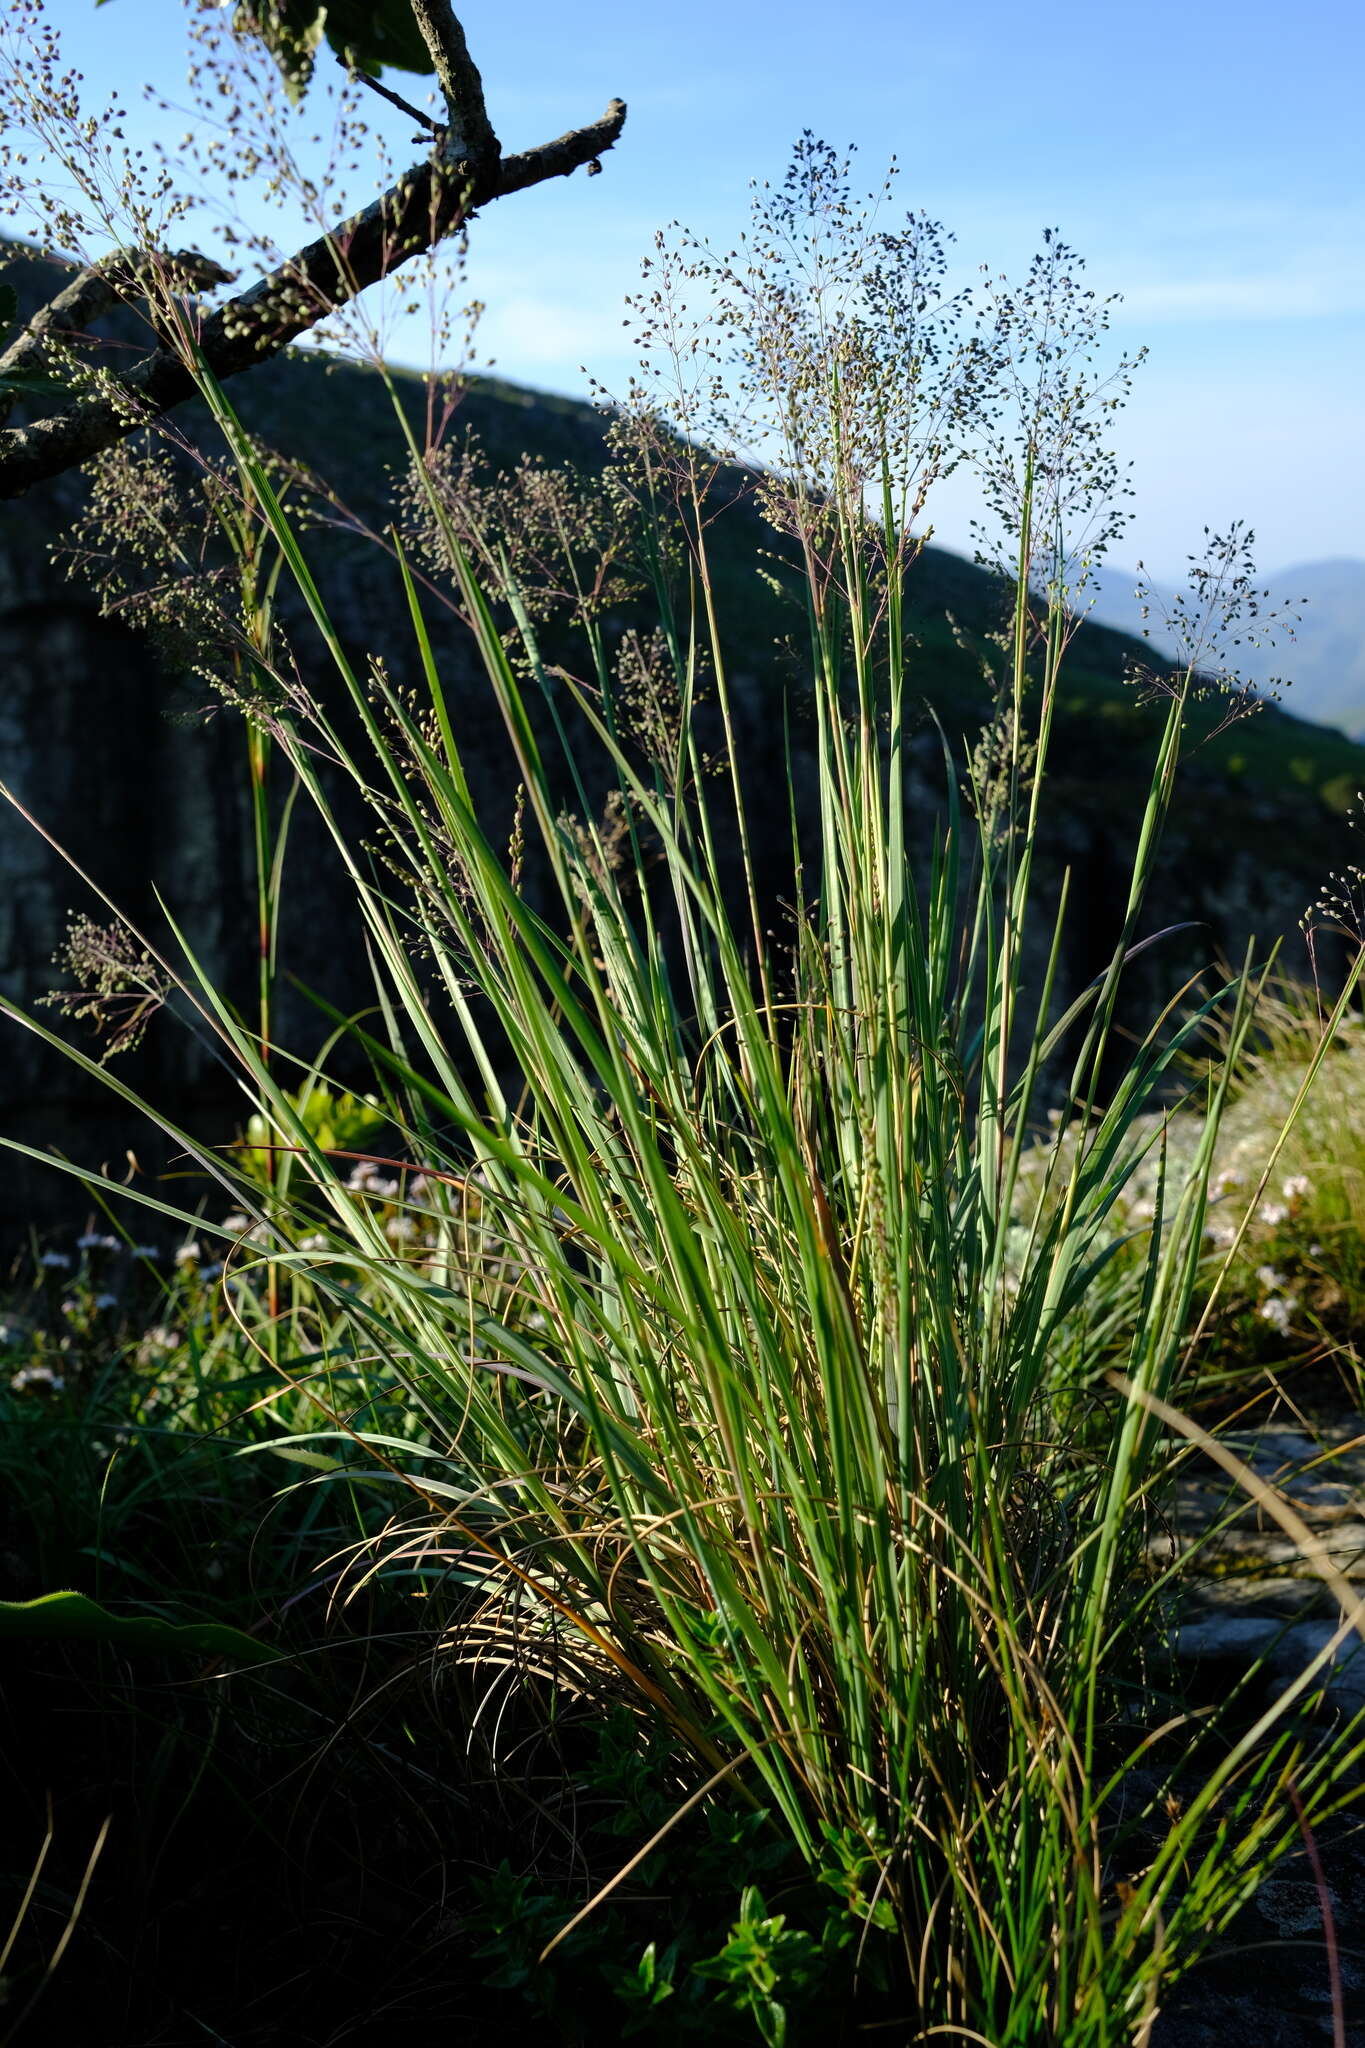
1265, 295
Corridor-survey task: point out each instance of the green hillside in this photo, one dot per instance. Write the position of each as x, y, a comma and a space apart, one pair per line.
1315, 649
337, 418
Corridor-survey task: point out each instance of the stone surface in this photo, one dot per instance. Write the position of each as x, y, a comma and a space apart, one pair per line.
1255, 1601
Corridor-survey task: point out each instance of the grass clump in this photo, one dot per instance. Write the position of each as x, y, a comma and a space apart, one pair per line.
740, 1372
1289, 1193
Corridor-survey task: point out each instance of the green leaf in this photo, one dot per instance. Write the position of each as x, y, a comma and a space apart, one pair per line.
335, 1122
365, 37
66, 1617
317, 1461
375, 37
645, 1987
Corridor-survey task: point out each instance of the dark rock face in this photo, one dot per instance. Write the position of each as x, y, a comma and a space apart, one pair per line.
140, 776
134, 799
1268, 1981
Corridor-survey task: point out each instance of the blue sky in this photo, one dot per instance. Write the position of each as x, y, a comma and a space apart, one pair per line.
1208, 159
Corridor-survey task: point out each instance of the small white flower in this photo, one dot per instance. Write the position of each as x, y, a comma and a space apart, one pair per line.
316, 1243
94, 1242
189, 1254
1272, 1281
71, 1307
1221, 1232
1315, 1251
1143, 1211
1222, 1182
367, 1179
1277, 1311
161, 1337
236, 1223
399, 1229
37, 1376
1297, 1188
55, 1260
1272, 1214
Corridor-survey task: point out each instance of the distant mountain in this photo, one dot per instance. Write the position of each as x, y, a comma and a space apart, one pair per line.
1323, 663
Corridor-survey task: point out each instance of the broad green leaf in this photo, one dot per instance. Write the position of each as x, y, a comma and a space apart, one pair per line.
366, 38
363, 37
71, 1616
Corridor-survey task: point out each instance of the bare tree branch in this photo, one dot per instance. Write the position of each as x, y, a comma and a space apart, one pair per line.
429, 202
469, 133
93, 291
395, 99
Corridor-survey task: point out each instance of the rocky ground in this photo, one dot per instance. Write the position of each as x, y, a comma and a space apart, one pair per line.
1260, 1606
